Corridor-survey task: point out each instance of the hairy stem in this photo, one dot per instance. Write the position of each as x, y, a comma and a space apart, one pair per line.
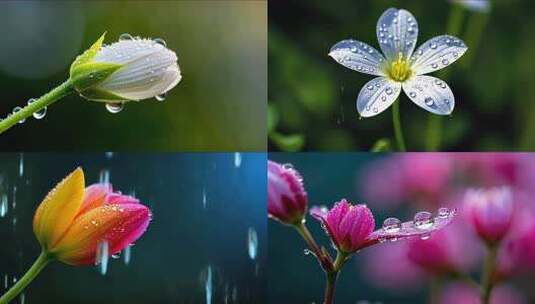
28, 277
330, 284
488, 268
397, 127
324, 260
56, 94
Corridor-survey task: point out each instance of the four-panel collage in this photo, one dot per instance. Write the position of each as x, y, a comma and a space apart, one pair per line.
267, 152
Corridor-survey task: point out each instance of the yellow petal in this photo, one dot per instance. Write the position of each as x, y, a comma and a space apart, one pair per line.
57, 211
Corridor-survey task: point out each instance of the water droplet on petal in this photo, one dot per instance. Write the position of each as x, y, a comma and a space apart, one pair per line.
389, 91
370, 87
383, 98
429, 101
391, 225
161, 97
445, 61
434, 66
423, 220
425, 236
160, 41
114, 107
443, 212
125, 36
412, 94
433, 45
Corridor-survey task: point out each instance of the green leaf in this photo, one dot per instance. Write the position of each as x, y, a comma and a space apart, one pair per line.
288, 143
273, 118
382, 145
89, 54
90, 74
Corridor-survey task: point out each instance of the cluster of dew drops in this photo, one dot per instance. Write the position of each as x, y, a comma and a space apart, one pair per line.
116, 107
40, 114
422, 220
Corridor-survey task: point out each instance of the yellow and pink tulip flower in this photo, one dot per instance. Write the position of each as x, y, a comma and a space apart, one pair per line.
73, 220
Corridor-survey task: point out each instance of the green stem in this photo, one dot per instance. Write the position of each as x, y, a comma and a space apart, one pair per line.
56, 94
397, 127
488, 269
323, 258
330, 284
434, 124
28, 277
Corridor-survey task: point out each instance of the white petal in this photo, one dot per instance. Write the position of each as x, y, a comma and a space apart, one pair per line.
377, 95
397, 32
358, 56
437, 53
430, 93
149, 69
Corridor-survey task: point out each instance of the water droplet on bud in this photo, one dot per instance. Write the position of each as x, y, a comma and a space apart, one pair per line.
161, 97
125, 36
114, 107
391, 225
423, 220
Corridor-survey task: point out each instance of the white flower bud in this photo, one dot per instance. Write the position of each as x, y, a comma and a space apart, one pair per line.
132, 69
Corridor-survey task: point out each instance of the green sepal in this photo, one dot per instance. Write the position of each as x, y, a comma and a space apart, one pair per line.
95, 94
89, 54
91, 74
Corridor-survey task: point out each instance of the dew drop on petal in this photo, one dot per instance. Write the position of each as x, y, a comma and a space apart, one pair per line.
114, 107
434, 66
288, 166
412, 94
125, 36
383, 98
445, 61
443, 212
429, 101
423, 220
161, 97
389, 91
391, 225
433, 46
425, 236
370, 87
160, 41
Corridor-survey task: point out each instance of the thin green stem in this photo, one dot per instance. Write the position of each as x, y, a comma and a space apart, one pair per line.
397, 127
433, 140
56, 94
486, 278
323, 257
28, 277
330, 284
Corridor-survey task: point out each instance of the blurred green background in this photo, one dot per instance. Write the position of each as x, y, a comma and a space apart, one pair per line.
220, 104
188, 253
312, 98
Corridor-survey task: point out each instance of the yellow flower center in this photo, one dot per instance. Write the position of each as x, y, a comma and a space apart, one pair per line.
400, 69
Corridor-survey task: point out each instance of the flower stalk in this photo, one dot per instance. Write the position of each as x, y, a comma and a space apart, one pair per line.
397, 127
44, 101
28, 277
488, 269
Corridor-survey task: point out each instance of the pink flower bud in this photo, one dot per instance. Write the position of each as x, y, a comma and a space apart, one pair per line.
349, 225
490, 212
287, 198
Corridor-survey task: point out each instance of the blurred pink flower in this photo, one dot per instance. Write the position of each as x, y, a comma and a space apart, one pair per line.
287, 198
459, 293
350, 227
490, 212
387, 266
420, 178
489, 169
448, 252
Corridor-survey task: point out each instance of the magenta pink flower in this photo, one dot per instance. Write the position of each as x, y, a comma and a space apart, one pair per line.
490, 212
350, 227
287, 199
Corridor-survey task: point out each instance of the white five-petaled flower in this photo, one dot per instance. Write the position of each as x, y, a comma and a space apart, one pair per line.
397, 31
130, 69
